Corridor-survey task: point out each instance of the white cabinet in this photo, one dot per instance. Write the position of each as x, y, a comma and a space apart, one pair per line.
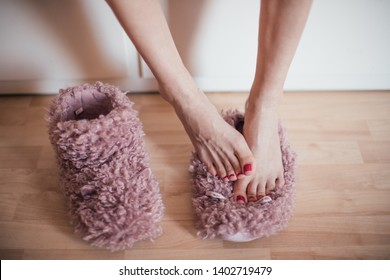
46, 45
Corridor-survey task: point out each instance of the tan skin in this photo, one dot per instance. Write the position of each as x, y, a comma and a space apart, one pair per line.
254, 160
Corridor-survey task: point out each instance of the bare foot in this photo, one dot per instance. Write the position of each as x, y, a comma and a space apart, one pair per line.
261, 134
218, 145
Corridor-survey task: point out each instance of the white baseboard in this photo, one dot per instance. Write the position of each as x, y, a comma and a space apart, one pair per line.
206, 84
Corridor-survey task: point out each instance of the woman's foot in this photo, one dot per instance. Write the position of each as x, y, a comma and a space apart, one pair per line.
261, 133
222, 148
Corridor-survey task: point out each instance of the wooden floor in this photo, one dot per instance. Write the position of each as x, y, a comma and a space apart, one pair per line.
343, 193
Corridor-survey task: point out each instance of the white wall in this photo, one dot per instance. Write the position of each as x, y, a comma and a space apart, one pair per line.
46, 45
345, 45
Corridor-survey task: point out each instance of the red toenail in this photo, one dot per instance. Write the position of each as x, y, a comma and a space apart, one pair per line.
231, 176
240, 199
260, 197
271, 195
247, 167
252, 198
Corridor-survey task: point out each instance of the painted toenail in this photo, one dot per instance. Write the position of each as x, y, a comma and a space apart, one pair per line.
240, 199
247, 167
260, 197
252, 198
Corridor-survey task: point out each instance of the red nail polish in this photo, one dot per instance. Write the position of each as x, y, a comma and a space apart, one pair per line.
252, 198
232, 176
247, 167
260, 197
240, 199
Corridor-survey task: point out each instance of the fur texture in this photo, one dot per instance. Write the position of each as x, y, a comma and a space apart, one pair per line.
217, 215
113, 198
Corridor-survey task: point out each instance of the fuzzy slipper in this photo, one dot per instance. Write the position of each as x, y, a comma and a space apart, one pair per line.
217, 215
113, 198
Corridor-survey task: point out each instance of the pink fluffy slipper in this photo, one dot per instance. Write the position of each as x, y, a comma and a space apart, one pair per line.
217, 215
113, 198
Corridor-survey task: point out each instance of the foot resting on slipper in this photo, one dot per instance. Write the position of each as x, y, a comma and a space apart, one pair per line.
219, 215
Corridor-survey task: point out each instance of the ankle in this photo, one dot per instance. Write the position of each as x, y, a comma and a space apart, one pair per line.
265, 95
186, 102
179, 92
262, 105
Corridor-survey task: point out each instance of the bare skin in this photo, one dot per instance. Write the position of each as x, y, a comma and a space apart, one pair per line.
219, 146
280, 28
226, 153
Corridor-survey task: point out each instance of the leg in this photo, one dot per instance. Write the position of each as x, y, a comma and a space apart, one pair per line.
219, 146
280, 28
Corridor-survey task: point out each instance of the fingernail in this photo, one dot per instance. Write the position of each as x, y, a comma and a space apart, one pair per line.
240, 199
247, 167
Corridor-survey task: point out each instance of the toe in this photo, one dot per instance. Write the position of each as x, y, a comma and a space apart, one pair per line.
251, 192
221, 171
260, 191
246, 159
232, 177
239, 191
270, 186
218, 165
247, 168
211, 169
208, 161
234, 161
230, 172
